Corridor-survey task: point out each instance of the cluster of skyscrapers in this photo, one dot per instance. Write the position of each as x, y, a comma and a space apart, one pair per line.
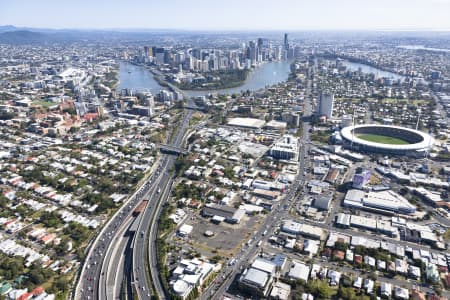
206, 60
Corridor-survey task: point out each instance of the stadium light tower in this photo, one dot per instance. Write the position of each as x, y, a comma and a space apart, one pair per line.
418, 118
353, 131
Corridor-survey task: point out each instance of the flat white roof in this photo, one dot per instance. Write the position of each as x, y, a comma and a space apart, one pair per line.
264, 265
246, 122
256, 277
299, 271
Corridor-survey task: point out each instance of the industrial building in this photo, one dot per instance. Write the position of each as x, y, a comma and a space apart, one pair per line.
387, 202
295, 228
227, 213
250, 123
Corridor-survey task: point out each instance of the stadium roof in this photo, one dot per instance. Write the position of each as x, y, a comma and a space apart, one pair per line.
426, 142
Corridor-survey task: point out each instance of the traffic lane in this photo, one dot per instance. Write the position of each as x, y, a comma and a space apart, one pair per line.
143, 287
106, 238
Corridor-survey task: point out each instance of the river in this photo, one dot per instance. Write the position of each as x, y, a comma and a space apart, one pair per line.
136, 78
422, 47
352, 66
267, 74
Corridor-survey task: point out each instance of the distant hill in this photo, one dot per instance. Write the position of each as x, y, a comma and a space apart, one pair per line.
6, 28
22, 37
44, 36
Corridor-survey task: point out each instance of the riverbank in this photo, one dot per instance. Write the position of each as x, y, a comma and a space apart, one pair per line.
139, 77
227, 79
366, 63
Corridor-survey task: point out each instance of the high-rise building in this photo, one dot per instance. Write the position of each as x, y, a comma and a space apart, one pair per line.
286, 42
146, 51
196, 53
252, 52
151, 106
325, 107
159, 56
263, 43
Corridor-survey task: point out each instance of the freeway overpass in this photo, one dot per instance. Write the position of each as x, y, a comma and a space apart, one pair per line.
169, 149
149, 224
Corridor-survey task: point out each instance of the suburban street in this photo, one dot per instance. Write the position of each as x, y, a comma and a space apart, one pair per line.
280, 212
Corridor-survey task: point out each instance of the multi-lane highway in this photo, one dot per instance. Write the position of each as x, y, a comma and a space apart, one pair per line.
139, 248
99, 253
149, 226
95, 279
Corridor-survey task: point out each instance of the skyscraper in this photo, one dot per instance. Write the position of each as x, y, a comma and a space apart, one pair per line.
263, 43
151, 106
286, 42
325, 107
252, 52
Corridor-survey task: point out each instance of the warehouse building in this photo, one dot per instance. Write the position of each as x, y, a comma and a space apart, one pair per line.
229, 214
295, 228
387, 202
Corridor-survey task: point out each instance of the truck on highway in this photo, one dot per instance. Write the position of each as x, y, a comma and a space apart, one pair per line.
140, 208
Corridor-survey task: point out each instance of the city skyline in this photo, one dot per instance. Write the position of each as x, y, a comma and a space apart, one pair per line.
249, 15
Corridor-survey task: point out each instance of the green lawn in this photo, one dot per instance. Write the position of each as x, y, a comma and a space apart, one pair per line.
382, 139
44, 103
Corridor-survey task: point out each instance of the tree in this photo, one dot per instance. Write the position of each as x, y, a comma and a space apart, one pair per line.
10, 268
50, 219
229, 173
77, 232
61, 248
3, 201
446, 235
341, 246
347, 293
36, 276
319, 289
215, 259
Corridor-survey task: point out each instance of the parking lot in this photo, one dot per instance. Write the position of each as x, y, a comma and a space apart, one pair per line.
227, 238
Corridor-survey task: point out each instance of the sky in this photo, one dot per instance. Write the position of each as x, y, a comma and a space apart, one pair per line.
293, 15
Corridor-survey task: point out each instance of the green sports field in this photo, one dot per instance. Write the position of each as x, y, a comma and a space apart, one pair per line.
382, 139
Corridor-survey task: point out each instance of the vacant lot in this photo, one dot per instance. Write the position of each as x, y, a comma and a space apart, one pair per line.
227, 238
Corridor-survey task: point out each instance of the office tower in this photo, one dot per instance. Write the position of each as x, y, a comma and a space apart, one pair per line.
297, 52
151, 106
252, 52
263, 43
286, 42
146, 51
196, 53
260, 43
159, 56
189, 62
325, 107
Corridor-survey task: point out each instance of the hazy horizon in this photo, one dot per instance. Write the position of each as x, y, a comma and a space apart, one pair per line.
233, 15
